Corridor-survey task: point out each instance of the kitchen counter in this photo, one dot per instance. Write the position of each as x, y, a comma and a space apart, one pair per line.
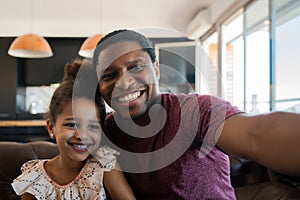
23, 130
22, 123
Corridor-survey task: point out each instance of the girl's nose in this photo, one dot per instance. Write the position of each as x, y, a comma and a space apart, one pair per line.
80, 133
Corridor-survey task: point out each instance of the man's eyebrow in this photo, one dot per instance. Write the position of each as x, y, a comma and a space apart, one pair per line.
102, 70
127, 63
134, 61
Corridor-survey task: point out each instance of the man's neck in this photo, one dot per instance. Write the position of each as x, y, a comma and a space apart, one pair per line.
148, 123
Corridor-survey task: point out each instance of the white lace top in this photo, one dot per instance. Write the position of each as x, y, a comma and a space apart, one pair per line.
87, 185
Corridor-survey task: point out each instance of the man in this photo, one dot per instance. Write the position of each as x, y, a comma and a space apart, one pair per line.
176, 146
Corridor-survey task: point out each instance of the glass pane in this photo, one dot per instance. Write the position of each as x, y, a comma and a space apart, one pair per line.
287, 53
290, 106
233, 60
209, 67
257, 56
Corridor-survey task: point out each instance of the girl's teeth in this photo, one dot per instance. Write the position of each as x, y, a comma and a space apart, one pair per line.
82, 146
130, 97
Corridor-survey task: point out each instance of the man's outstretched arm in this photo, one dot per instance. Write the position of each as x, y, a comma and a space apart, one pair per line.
271, 139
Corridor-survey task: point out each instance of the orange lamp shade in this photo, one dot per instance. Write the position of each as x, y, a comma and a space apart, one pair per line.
30, 46
88, 46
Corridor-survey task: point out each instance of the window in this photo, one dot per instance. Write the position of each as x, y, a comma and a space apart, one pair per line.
209, 67
233, 59
287, 31
257, 55
256, 51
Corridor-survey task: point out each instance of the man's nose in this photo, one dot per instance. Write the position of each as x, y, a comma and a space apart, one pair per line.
125, 81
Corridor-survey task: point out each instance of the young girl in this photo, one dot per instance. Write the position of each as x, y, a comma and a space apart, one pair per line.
81, 167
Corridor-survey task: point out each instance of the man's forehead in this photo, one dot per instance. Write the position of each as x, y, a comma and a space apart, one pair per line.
115, 51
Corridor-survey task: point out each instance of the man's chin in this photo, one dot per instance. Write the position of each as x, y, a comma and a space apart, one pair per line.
130, 114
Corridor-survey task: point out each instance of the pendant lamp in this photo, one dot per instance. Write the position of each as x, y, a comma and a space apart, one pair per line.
88, 46
30, 46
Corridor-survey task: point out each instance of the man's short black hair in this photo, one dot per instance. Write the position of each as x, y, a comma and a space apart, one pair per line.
121, 36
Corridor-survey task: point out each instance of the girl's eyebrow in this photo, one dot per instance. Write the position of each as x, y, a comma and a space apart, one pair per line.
76, 119
95, 121
70, 119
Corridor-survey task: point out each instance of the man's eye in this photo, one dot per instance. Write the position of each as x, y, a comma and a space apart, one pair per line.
107, 76
136, 68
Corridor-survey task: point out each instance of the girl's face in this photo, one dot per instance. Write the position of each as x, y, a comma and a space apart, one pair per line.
77, 129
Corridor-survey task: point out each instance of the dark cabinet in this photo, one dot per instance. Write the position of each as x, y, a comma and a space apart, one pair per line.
16, 74
8, 86
46, 71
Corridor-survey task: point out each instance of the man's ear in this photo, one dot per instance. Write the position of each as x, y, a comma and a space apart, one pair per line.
156, 68
51, 129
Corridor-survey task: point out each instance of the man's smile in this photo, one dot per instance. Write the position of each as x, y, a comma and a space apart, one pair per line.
129, 96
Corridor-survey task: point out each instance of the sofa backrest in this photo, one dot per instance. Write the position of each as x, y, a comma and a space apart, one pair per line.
13, 155
245, 175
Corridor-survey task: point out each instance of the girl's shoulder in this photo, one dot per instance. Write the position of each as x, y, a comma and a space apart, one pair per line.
106, 157
32, 175
31, 164
35, 181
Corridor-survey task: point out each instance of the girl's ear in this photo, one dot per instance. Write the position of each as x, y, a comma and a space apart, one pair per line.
51, 129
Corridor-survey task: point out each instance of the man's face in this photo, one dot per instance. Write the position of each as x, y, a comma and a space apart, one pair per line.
128, 80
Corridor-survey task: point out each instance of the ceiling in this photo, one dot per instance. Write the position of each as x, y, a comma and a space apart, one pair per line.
77, 18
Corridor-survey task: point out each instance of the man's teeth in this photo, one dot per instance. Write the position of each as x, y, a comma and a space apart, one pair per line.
129, 97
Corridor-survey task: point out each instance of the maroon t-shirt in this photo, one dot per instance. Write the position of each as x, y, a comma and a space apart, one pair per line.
181, 161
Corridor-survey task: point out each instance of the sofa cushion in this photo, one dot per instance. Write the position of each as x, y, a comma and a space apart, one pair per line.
272, 190
244, 172
13, 155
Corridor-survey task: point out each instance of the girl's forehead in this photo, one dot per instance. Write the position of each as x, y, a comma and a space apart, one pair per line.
81, 106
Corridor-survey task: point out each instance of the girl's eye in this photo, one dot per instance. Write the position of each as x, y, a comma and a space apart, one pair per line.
71, 125
94, 127
136, 68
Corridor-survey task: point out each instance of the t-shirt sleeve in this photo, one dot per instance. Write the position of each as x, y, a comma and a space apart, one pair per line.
212, 112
